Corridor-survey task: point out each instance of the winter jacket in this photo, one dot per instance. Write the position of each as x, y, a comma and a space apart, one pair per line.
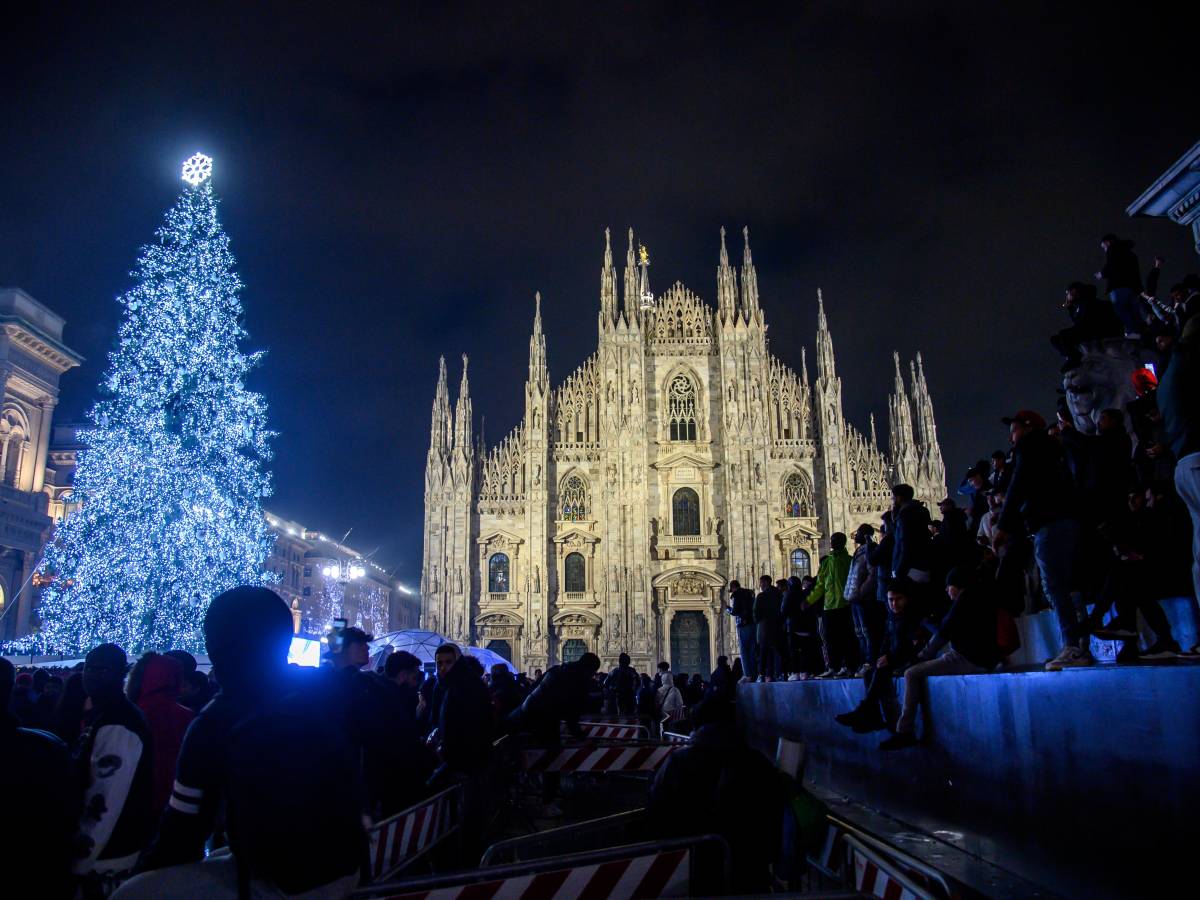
1179, 393
1121, 268
742, 603
767, 606
794, 600
669, 699
1103, 468
465, 724
880, 556
116, 763
970, 629
860, 581
167, 720
831, 580
1040, 491
561, 696
900, 636
913, 549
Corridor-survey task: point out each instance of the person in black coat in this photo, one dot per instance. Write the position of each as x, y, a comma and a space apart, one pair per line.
1092, 319
621, 685
560, 697
1124, 281
899, 649
464, 720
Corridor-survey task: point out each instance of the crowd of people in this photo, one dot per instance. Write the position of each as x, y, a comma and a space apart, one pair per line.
152, 779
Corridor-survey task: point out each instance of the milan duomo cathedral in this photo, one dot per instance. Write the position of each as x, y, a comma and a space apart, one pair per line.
680, 455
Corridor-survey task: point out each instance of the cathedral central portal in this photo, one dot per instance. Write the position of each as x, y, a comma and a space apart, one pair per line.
680, 455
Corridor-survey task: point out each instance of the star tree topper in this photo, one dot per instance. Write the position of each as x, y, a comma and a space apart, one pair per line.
197, 170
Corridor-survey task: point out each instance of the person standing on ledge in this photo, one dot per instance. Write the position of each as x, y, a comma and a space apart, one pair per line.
741, 607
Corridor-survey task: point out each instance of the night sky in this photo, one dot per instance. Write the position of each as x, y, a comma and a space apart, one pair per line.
398, 180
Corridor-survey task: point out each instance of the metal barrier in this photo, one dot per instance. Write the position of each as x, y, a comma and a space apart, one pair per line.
615, 731
674, 737
675, 868
606, 831
400, 840
838, 862
877, 876
613, 720
647, 757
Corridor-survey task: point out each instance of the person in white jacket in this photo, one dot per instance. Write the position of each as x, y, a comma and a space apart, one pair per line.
670, 697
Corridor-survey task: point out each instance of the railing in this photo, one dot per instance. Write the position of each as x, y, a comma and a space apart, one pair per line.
398, 841
555, 841
693, 866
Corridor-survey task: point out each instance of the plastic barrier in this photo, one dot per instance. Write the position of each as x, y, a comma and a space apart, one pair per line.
674, 737
607, 831
677, 868
616, 757
616, 732
877, 876
613, 720
401, 839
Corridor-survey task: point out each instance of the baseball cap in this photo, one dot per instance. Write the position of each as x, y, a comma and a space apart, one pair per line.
1026, 417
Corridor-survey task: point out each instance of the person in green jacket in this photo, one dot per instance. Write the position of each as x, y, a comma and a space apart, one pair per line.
835, 624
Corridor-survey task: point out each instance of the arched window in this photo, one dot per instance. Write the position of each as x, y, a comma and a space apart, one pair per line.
685, 512
797, 496
575, 573
573, 500
498, 574
573, 649
681, 409
801, 563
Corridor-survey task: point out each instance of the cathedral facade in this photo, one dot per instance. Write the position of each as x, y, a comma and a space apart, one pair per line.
680, 455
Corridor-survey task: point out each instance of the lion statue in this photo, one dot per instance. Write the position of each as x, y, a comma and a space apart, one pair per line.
1103, 379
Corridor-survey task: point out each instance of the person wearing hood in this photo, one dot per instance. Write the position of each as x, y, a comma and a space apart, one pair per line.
1123, 282
154, 684
836, 627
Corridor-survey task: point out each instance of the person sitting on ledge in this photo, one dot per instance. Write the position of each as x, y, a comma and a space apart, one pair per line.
970, 629
899, 650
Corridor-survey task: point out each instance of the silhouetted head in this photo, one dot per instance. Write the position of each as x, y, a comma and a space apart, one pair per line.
247, 631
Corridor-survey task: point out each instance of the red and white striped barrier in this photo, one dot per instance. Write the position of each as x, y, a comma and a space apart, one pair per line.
399, 840
630, 758
613, 720
833, 852
597, 730
875, 877
662, 874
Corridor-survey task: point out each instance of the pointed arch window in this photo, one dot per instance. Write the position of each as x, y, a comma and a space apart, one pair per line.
797, 496
498, 573
681, 409
685, 512
575, 573
573, 500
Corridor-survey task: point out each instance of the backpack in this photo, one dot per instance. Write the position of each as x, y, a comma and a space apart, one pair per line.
291, 785
1008, 638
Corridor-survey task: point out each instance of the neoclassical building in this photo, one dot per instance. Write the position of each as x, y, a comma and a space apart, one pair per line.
678, 456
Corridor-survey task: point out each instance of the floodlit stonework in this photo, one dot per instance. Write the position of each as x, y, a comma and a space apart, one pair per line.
680, 455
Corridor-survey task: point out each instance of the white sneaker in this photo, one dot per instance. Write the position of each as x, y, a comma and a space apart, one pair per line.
1070, 657
828, 673
843, 672
795, 676
862, 671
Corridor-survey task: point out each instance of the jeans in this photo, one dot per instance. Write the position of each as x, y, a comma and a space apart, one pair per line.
867, 621
1056, 548
1187, 483
1127, 307
747, 637
949, 663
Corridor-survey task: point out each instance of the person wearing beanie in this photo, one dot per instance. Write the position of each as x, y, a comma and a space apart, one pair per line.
970, 630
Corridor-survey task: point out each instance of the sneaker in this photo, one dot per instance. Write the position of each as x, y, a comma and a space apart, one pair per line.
1162, 650
1114, 632
828, 673
862, 671
901, 740
1070, 657
849, 719
1194, 653
795, 676
1133, 335
843, 672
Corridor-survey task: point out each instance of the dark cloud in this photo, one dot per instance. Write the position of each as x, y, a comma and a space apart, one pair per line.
397, 182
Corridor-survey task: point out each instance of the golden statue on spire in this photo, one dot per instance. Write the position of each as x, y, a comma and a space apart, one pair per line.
643, 255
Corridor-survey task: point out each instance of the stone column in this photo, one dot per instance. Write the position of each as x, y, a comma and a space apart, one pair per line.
46, 406
25, 595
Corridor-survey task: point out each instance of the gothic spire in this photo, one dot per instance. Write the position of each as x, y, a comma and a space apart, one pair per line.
462, 414
874, 439
632, 298
749, 279
538, 373
608, 283
804, 366
727, 286
825, 361
931, 452
440, 429
901, 446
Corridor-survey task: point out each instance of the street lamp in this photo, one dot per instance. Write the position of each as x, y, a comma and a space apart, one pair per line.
344, 572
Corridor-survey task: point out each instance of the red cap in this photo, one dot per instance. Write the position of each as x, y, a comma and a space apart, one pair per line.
1026, 417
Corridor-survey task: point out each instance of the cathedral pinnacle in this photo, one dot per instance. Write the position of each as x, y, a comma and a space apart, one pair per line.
825, 362
724, 261
538, 373
727, 288
746, 259
749, 280
607, 248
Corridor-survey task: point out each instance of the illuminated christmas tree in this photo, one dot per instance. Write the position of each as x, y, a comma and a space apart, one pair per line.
172, 473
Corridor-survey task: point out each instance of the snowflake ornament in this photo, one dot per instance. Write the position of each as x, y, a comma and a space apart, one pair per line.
197, 169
